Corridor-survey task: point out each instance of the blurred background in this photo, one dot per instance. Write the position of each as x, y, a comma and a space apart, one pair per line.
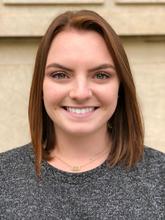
139, 23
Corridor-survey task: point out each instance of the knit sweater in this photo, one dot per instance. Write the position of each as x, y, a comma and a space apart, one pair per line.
102, 193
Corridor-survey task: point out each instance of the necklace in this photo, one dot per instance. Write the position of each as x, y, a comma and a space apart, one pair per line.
76, 168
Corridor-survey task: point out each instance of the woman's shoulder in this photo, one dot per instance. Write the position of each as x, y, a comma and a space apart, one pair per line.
152, 164
153, 157
17, 152
16, 157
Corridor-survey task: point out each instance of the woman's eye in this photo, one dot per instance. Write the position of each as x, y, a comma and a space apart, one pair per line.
102, 75
59, 75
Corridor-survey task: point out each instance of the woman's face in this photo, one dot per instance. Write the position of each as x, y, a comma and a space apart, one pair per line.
80, 88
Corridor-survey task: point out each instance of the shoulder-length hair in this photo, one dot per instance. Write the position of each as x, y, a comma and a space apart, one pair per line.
126, 127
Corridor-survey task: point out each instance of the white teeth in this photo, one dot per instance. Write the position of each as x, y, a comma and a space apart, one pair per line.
80, 110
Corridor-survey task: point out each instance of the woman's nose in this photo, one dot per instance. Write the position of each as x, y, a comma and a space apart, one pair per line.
80, 91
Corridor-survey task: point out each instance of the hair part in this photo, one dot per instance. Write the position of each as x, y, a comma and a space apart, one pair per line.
126, 131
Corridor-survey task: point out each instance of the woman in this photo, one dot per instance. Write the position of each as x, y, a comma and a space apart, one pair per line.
86, 159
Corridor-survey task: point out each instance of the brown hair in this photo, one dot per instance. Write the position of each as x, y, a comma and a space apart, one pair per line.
126, 123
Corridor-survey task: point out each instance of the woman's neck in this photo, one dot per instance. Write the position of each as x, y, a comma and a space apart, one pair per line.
80, 150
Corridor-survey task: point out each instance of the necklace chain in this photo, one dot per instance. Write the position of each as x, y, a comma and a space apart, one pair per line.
76, 168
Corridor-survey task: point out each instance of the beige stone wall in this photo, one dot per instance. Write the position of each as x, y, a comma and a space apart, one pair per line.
16, 64
143, 34
31, 17
147, 59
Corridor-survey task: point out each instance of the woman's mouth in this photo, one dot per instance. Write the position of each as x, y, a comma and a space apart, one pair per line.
80, 110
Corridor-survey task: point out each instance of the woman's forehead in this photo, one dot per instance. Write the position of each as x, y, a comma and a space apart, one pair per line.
74, 45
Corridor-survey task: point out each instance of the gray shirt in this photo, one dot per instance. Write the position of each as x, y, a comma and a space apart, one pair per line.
102, 193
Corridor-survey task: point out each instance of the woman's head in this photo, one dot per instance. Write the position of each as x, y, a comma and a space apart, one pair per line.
80, 88
125, 126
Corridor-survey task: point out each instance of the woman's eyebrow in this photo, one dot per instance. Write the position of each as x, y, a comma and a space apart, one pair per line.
58, 66
102, 66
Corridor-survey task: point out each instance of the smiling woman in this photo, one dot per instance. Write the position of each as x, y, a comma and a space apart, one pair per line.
86, 159
83, 89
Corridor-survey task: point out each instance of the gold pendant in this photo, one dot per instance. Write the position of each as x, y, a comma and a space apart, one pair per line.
76, 168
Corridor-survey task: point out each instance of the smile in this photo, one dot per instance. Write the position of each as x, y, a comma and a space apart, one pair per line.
80, 110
